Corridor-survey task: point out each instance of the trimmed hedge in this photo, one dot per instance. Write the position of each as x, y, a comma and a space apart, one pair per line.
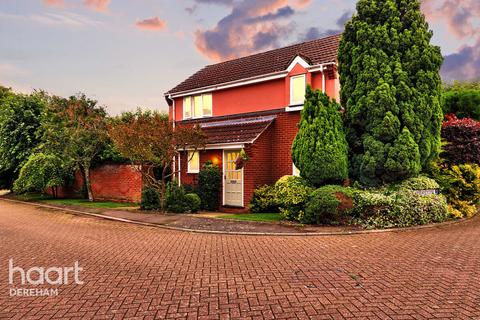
464, 103
209, 186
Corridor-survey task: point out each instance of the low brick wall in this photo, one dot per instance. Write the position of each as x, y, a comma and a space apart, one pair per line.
110, 182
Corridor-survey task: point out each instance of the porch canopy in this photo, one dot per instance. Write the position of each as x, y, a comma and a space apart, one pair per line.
236, 131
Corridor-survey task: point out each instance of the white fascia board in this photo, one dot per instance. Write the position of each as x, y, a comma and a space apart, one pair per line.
298, 60
277, 75
224, 146
321, 67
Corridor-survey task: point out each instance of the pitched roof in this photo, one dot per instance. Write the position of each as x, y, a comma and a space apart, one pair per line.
245, 130
314, 52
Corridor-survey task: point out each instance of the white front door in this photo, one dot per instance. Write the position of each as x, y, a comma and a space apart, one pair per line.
232, 180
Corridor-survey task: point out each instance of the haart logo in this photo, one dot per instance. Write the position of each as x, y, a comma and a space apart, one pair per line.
37, 276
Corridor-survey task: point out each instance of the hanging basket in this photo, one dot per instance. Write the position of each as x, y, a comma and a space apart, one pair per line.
241, 160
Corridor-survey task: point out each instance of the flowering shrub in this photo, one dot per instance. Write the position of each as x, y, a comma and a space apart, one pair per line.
291, 194
463, 140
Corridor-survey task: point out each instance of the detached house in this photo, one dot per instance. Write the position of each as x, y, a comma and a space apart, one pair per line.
251, 104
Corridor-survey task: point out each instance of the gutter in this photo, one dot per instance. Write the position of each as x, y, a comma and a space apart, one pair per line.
246, 81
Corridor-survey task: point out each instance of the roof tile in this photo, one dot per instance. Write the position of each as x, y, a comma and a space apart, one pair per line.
315, 52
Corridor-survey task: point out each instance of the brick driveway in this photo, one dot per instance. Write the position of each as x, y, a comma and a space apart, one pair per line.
147, 273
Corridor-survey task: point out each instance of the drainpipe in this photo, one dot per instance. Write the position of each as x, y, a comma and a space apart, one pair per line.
174, 125
323, 79
179, 170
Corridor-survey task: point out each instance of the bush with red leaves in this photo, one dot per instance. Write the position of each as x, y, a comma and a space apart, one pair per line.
463, 140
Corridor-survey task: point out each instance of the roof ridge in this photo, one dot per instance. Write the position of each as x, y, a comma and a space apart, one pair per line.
272, 50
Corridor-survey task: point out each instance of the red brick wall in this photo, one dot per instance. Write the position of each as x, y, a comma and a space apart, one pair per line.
112, 182
269, 157
259, 168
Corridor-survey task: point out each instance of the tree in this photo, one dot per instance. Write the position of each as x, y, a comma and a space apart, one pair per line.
389, 74
149, 140
76, 130
39, 173
19, 123
320, 148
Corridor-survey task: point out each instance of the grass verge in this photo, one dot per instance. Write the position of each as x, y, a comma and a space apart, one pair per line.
265, 217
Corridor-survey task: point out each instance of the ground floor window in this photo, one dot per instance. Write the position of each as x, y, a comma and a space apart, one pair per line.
193, 162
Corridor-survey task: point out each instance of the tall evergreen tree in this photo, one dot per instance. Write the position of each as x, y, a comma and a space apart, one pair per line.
320, 149
390, 89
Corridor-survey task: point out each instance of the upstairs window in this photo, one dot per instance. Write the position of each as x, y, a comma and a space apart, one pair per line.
298, 87
197, 106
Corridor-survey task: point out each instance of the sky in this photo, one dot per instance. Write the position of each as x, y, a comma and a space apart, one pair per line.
128, 53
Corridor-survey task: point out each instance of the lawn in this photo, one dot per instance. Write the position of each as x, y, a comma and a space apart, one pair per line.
266, 217
86, 203
74, 202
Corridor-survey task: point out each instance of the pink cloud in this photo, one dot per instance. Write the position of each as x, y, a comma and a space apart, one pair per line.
154, 23
97, 5
462, 17
54, 3
250, 27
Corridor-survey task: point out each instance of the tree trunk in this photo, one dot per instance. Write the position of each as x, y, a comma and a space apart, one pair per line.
88, 185
163, 193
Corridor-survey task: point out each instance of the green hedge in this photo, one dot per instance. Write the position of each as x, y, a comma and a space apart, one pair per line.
464, 103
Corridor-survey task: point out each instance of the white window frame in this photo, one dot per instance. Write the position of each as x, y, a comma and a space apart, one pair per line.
297, 103
184, 103
192, 106
190, 158
295, 170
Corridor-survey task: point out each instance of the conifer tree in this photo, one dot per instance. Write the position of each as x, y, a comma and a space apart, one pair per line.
320, 149
390, 89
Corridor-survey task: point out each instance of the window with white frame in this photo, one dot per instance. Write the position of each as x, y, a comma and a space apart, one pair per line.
193, 162
197, 106
295, 171
298, 87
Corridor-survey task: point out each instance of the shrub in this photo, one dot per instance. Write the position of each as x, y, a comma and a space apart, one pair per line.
292, 194
209, 186
150, 199
329, 205
264, 200
461, 186
41, 171
401, 209
419, 183
175, 198
462, 140
464, 103
193, 202
320, 149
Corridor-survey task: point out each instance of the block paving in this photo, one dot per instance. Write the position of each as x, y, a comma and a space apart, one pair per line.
135, 272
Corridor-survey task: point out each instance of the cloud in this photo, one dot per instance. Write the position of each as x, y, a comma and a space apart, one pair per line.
54, 3
154, 23
316, 33
462, 17
463, 65
67, 19
97, 5
224, 2
249, 27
